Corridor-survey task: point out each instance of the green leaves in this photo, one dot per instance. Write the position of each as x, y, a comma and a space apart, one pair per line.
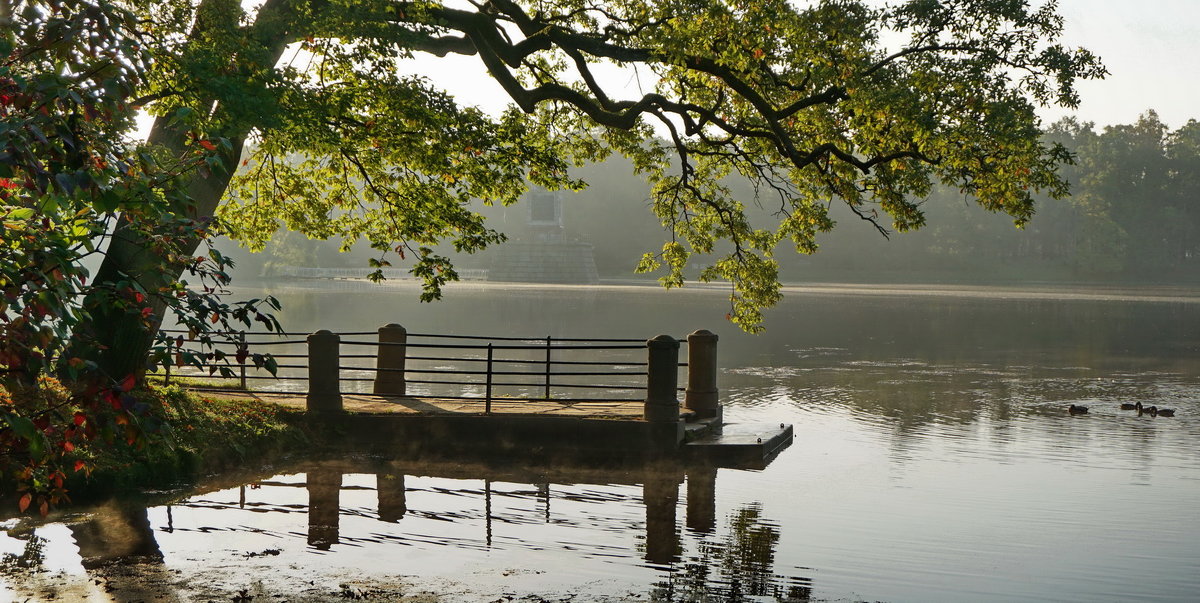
825, 107
24, 428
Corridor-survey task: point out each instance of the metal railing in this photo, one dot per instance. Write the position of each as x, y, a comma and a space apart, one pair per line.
456, 367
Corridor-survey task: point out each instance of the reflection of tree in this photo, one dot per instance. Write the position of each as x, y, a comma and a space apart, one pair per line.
738, 566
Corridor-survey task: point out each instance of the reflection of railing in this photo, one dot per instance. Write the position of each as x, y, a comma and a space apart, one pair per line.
470, 367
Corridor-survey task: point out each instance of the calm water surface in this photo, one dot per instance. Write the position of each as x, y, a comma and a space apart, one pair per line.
934, 460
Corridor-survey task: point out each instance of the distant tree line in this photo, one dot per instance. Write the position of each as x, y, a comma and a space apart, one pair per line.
1133, 215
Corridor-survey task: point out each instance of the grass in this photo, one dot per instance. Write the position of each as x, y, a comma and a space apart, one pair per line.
229, 383
186, 435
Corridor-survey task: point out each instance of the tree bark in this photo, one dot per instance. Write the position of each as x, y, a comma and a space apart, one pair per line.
125, 337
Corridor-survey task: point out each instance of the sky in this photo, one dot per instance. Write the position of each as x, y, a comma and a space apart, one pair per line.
1151, 49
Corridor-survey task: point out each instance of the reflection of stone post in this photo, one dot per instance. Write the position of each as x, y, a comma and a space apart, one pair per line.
389, 361
660, 494
702, 499
324, 390
701, 396
662, 379
324, 488
393, 503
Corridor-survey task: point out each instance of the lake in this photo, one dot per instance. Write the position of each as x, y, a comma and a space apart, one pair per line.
934, 460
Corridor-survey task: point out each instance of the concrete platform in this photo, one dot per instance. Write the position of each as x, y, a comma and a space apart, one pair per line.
744, 445
516, 428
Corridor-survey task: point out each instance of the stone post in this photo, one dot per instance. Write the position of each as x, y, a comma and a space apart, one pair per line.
324, 389
701, 395
662, 379
389, 378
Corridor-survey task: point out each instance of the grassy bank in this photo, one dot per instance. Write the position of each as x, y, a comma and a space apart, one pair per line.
202, 434
186, 435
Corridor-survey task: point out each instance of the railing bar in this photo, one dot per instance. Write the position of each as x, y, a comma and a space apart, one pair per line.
511, 373
251, 343
538, 385
584, 386
242, 350
486, 337
445, 382
508, 360
547, 369
452, 346
289, 342
248, 333
233, 365
682, 340
449, 358
440, 397
488, 405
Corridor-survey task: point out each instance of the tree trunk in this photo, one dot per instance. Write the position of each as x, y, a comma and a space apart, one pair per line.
124, 336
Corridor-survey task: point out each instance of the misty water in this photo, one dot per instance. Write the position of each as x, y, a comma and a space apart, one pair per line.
934, 460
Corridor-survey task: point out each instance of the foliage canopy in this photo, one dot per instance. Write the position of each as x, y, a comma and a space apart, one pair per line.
836, 101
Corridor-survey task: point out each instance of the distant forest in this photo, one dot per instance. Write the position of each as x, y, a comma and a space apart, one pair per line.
1133, 216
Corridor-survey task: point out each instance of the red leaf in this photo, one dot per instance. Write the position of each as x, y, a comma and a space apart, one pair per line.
68, 447
25, 500
44, 509
79, 465
138, 297
215, 318
208, 145
80, 418
127, 383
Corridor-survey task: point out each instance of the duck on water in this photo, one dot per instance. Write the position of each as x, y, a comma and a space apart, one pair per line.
1153, 411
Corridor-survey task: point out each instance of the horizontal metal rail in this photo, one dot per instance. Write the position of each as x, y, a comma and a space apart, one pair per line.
458, 346
510, 373
547, 363
682, 340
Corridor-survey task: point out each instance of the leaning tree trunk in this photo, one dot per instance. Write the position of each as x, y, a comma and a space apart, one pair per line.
125, 336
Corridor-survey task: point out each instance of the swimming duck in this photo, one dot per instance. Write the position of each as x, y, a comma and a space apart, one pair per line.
1149, 410
1165, 412
1128, 406
1077, 410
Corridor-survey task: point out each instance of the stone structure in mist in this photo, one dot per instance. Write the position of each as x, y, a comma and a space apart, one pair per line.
543, 254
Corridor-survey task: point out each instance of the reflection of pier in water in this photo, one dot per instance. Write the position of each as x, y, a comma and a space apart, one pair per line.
711, 562
660, 496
